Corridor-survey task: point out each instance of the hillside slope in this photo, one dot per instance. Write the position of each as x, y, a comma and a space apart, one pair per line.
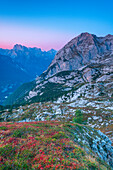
11, 76
53, 145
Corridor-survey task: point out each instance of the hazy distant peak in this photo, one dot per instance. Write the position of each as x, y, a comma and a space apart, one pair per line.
19, 47
52, 51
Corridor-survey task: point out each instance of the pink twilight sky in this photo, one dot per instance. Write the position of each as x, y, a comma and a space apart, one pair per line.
51, 24
12, 33
46, 33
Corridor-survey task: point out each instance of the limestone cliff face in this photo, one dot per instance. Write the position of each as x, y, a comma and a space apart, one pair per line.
80, 51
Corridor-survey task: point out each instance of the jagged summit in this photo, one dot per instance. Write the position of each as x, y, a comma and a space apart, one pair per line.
109, 35
18, 47
85, 34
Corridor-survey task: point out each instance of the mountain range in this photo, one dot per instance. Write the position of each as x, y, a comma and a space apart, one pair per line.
85, 62
20, 65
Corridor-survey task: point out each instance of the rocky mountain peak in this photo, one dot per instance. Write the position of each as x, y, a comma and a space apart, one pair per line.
85, 35
18, 47
109, 35
83, 49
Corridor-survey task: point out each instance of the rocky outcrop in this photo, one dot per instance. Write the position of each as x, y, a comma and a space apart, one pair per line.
94, 140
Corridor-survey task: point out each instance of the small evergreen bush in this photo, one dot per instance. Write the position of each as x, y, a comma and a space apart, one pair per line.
78, 117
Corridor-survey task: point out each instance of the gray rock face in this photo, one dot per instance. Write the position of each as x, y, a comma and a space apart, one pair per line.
96, 141
82, 50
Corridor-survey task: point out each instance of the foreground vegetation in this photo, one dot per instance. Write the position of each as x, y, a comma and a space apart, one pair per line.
43, 145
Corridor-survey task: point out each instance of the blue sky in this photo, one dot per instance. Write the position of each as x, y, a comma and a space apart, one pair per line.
51, 24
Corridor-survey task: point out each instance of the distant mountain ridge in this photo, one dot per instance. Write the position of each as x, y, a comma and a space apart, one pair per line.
32, 60
11, 76
20, 65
